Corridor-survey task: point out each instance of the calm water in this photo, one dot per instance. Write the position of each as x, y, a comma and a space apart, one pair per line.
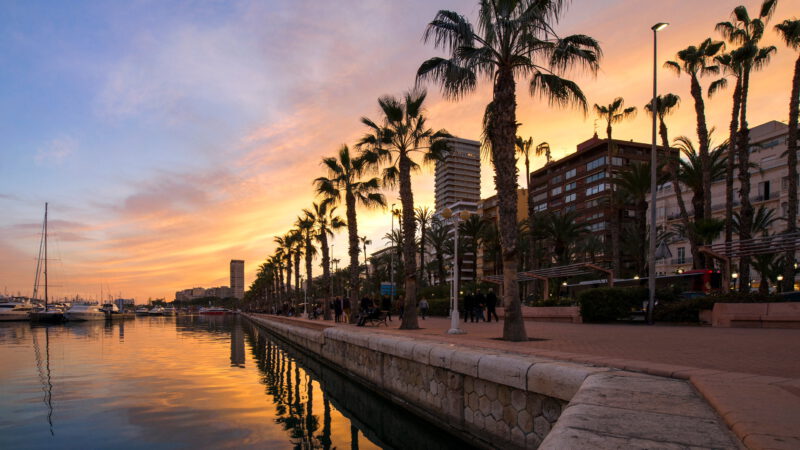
185, 382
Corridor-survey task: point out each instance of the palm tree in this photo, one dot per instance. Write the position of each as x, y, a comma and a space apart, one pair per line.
365, 241
305, 225
697, 62
296, 241
344, 181
523, 147
790, 32
768, 268
666, 105
423, 216
564, 234
393, 141
287, 252
635, 183
473, 230
514, 38
543, 149
326, 220
763, 219
614, 112
437, 238
747, 32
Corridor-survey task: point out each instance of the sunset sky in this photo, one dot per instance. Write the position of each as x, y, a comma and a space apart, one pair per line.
170, 137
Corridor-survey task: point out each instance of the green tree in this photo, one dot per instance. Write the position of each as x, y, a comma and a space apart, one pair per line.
564, 233
472, 231
437, 238
789, 31
423, 216
326, 222
344, 181
392, 143
635, 182
513, 39
696, 62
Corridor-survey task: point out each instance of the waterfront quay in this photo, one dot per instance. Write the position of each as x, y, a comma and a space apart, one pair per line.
576, 385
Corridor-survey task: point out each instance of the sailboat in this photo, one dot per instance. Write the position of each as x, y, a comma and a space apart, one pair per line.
51, 313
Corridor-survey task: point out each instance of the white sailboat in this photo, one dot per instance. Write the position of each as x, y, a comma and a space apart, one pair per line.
80, 313
50, 313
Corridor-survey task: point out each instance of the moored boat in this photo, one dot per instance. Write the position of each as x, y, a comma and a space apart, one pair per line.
142, 311
169, 311
213, 311
156, 311
51, 314
15, 311
80, 313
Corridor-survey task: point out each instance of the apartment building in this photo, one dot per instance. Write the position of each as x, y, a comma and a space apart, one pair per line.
769, 189
582, 183
458, 177
489, 210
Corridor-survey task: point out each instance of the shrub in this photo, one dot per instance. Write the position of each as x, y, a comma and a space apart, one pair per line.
438, 306
556, 301
429, 292
610, 304
683, 310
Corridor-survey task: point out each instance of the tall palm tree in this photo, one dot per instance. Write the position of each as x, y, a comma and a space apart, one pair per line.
327, 221
473, 230
543, 149
564, 234
423, 216
392, 142
635, 183
614, 112
437, 238
286, 250
523, 147
747, 33
344, 182
513, 39
789, 31
697, 62
365, 241
305, 225
296, 241
763, 219
666, 105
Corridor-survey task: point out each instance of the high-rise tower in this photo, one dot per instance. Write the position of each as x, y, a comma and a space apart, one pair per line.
458, 177
237, 278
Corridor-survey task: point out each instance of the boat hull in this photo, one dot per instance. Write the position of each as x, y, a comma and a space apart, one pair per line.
50, 317
14, 317
84, 316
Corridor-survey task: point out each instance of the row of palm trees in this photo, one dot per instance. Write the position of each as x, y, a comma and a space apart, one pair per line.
514, 40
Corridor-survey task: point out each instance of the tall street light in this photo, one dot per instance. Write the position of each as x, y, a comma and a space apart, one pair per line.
651, 279
456, 218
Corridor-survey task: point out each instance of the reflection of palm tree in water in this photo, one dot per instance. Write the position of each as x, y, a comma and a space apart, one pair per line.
44, 374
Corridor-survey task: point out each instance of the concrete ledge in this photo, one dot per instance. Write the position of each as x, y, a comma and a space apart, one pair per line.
756, 315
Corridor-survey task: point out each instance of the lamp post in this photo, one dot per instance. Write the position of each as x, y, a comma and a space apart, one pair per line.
651, 278
735, 276
463, 215
778, 284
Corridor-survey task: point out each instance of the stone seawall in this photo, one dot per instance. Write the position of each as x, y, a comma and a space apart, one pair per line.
513, 401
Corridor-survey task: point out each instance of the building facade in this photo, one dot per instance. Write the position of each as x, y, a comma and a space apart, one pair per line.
581, 183
769, 190
489, 210
458, 177
237, 278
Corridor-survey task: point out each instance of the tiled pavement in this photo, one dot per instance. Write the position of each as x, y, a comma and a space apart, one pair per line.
750, 376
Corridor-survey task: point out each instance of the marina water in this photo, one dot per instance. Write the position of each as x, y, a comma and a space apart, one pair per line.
185, 382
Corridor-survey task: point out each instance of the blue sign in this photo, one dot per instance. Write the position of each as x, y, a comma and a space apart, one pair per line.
388, 289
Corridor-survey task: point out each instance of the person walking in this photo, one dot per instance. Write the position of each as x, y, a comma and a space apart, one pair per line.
337, 309
491, 304
480, 303
469, 306
423, 308
386, 305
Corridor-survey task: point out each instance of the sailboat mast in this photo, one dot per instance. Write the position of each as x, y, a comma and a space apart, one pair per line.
45, 255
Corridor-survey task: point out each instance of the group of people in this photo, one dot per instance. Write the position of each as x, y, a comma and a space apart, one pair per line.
475, 303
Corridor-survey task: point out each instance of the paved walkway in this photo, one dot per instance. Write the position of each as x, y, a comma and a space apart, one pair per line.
750, 376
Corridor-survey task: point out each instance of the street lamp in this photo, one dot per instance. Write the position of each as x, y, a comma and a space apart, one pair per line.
651, 279
463, 215
735, 277
778, 284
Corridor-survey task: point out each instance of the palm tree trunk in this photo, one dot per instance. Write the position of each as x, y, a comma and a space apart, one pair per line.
289, 259
409, 252
440, 266
684, 215
352, 238
746, 210
791, 160
296, 276
326, 275
616, 224
422, 252
502, 131
309, 291
734, 128
702, 137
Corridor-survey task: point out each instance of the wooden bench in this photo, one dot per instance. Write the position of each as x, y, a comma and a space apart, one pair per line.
381, 318
756, 315
563, 314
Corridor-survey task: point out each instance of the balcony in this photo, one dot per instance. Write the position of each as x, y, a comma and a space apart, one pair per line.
680, 260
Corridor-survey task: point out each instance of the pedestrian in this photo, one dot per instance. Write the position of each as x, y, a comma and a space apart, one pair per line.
491, 304
386, 305
423, 308
337, 309
400, 308
480, 303
469, 305
346, 309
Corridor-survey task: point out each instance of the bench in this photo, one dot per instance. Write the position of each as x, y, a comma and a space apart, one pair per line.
562, 314
381, 318
756, 315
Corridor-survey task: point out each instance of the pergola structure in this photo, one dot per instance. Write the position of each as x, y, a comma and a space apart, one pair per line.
763, 245
544, 275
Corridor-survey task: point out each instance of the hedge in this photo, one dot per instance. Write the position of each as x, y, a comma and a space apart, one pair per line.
610, 304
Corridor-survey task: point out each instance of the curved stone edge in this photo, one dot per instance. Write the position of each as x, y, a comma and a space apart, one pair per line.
608, 408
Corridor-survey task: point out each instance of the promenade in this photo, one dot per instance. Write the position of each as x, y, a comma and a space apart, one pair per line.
751, 377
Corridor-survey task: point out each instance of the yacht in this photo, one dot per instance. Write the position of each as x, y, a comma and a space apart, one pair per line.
213, 311
52, 313
84, 313
15, 311
156, 311
142, 311
169, 311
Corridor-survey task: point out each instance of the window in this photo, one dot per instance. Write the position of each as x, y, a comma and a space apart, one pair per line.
556, 190
540, 197
596, 163
595, 177
569, 208
617, 161
569, 198
540, 207
681, 255
570, 186
596, 189
555, 179
594, 216
763, 191
571, 173
599, 226
555, 203
593, 203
